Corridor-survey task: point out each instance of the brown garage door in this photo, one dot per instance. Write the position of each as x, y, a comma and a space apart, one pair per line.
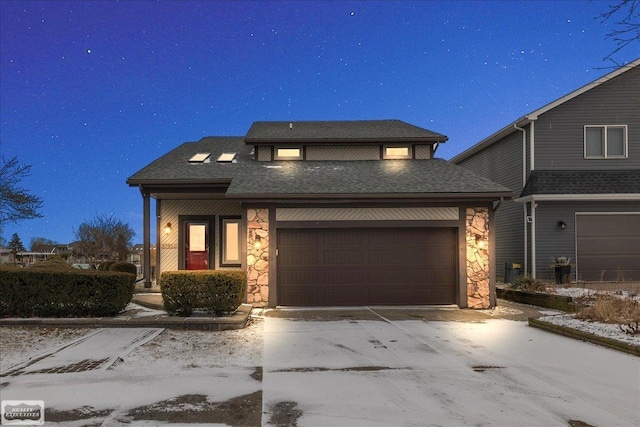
608, 247
319, 267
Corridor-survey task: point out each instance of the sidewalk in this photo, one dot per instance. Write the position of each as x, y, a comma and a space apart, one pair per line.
97, 350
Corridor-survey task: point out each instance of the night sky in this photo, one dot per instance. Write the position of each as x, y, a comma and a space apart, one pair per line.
91, 92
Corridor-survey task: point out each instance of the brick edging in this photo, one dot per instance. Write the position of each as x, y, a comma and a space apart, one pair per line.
585, 336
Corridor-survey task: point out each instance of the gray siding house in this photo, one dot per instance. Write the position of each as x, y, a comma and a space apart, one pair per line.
575, 165
326, 213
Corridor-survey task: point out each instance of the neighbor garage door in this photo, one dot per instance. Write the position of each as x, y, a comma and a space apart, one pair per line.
608, 247
319, 267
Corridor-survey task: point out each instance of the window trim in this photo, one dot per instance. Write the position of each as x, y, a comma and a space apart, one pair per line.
276, 156
605, 142
224, 262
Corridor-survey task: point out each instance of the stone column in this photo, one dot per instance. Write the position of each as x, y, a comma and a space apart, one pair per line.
477, 233
258, 257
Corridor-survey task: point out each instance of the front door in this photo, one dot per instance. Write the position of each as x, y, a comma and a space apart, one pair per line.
196, 245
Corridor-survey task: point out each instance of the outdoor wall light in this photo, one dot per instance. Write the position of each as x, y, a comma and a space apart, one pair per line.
562, 225
257, 242
167, 228
480, 242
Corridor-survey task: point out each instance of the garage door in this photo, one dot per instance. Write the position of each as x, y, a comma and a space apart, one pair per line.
608, 247
320, 267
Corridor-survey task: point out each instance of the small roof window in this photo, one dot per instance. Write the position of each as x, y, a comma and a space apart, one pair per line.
226, 158
200, 158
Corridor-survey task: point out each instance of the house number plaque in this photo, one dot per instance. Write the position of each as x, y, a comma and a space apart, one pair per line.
169, 246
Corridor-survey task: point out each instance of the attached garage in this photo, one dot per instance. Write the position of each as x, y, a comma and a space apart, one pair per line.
366, 266
608, 246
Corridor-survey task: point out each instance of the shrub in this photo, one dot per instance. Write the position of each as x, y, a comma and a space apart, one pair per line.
218, 291
124, 267
47, 292
624, 312
527, 283
53, 263
105, 265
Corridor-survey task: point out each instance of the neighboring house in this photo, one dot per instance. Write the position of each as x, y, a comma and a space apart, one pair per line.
575, 164
327, 213
6, 256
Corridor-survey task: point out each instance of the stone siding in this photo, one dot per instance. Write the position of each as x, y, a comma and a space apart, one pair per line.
478, 282
258, 257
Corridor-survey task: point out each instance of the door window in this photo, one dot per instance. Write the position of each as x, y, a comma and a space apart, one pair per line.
196, 245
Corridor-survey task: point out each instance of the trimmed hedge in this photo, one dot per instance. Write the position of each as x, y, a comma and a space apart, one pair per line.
53, 263
48, 292
105, 265
219, 291
124, 267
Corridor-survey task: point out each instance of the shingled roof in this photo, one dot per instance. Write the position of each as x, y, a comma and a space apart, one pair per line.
174, 167
248, 178
582, 182
390, 178
346, 132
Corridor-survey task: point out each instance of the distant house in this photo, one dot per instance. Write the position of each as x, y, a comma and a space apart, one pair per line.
575, 164
327, 213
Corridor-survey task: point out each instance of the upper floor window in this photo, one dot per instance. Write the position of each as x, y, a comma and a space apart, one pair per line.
293, 153
397, 152
604, 142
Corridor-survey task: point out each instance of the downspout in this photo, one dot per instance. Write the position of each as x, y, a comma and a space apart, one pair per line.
524, 206
532, 167
533, 237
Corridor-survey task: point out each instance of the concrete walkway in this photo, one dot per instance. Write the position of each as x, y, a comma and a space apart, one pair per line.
97, 350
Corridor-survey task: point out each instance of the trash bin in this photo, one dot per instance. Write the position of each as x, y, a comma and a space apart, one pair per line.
511, 271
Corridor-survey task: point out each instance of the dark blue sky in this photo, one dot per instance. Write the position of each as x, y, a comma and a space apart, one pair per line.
91, 92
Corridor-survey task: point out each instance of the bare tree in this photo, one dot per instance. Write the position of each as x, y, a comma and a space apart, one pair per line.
16, 203
38, 244
626, 30
104, 236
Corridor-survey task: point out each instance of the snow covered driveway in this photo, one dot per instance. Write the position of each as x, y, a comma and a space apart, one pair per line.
416, 373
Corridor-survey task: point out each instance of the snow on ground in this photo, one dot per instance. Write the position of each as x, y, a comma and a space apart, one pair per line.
606, 330
577, 292
349, 372
409, 373
20, 344
218, 365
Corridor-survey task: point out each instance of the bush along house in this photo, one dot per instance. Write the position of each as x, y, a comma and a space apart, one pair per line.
327, 213
575, 164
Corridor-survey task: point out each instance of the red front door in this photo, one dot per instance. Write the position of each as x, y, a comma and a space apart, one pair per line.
197, 247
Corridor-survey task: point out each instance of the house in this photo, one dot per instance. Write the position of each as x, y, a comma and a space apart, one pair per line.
575, 165
326, 213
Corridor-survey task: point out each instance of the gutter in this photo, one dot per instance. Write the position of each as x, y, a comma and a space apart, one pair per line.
608, 197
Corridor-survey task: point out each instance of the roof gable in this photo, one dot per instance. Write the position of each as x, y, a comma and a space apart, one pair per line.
528, 118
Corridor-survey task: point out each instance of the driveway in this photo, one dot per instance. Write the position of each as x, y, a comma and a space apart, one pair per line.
365, 367
369, 370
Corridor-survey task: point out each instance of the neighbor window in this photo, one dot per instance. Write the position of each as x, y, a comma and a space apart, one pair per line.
231, 238
288, 153
603, 142
397, 152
